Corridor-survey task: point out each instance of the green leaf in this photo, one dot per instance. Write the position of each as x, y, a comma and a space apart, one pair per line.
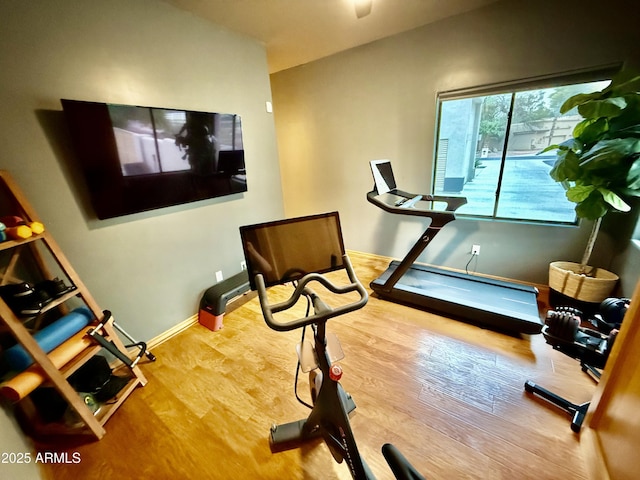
579, 128
548, 149
631, 131
593, 207
609, 152
579, 99
608, 107
627, 192
590, 131
569, 144
620, 86
579, 193
633, 177
628, 119
567, 166
614, 200
557, 173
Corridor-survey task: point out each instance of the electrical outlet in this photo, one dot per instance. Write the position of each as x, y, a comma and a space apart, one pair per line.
219, 277
243, 265
475, 249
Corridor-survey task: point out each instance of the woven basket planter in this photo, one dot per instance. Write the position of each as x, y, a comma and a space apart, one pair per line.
593, 288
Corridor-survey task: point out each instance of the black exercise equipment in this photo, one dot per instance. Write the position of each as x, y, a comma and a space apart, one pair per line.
612, 312
111, 347
135, 343
301, 250
563, 330
577, 411
499, 304
214, 300
399, 465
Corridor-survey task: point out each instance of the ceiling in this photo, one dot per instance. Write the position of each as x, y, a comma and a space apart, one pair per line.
295, 32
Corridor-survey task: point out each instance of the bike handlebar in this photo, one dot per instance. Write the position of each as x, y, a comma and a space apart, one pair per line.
323, 312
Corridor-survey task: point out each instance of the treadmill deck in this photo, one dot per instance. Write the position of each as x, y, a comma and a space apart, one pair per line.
503, 305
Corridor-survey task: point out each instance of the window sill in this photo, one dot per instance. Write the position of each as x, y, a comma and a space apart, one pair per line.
462, 216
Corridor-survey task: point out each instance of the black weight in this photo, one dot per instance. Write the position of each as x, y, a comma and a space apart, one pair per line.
612, 311
562, 325
611, 339
572, 310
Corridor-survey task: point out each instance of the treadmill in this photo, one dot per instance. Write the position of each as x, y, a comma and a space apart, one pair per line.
497, 304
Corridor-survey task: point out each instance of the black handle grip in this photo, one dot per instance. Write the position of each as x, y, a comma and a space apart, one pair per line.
323, 311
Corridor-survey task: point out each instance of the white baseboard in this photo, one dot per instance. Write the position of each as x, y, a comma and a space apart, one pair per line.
173, 331
176, 329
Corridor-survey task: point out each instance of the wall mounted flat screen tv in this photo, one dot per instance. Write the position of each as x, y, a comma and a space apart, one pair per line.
137, 158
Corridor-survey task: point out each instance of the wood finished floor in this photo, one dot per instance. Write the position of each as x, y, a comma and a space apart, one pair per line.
448, 394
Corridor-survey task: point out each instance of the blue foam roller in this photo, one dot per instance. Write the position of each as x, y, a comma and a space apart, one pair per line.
50, 337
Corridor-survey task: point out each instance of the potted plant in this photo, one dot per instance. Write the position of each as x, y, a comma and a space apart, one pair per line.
600, 170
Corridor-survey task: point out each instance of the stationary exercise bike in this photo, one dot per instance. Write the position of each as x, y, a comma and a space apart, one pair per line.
300, 251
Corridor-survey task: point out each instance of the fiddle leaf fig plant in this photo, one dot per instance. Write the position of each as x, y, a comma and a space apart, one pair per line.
600, 166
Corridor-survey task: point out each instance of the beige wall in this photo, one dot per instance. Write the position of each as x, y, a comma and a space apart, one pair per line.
379, 101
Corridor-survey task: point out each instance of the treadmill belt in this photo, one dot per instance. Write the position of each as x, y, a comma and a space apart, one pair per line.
500, 304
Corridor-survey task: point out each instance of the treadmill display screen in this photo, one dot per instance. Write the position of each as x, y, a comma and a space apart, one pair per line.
383, 176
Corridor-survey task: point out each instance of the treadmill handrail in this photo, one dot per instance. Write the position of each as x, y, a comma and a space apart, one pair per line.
439, 217
323, 312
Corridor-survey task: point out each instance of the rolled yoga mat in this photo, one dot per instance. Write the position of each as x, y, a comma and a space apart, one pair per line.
26, 382
49, 337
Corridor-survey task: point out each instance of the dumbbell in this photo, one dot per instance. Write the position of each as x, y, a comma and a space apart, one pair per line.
612, 312
17, 229
563, 323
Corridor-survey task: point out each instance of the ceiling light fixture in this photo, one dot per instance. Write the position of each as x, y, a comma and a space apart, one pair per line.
363, 7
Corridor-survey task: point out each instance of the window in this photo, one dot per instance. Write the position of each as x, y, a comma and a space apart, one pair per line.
488, 146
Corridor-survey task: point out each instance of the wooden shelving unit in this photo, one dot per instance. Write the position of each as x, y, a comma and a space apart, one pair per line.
56, 377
